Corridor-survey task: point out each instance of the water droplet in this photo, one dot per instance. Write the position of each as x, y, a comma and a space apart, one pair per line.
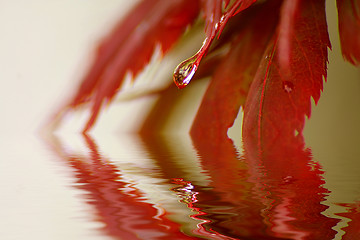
222, 19
288, 86
185, 71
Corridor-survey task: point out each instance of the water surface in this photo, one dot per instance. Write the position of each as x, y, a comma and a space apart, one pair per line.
166, 187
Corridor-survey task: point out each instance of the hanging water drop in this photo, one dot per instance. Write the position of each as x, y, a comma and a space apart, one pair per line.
185, 71
288, 86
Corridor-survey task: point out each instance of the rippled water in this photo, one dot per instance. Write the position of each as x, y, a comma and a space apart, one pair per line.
165, 187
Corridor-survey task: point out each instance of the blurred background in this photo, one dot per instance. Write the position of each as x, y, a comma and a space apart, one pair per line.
45, 48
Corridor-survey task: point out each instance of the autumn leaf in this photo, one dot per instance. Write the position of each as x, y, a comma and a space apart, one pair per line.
349, 29
278, 101
276, 106
231, 80
215, 21
283, 81
130, 46
286, 30
269, 57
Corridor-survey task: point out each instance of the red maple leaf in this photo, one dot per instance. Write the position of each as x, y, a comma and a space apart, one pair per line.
274, 62
267, 57
280, 96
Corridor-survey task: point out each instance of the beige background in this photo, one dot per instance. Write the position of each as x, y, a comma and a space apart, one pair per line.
44, 50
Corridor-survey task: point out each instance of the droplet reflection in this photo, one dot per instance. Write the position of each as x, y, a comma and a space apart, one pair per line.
185, 71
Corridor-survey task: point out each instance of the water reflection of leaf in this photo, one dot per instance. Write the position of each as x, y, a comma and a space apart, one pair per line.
352, 231
290, 185
275, 193
120, 205
186, 174
228, 201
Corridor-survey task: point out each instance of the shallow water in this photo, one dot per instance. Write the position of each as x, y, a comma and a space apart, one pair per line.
165, 187
159, 187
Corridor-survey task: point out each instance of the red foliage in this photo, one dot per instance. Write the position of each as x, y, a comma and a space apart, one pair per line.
275, 64
349, 28
227, 91
215, 19
130, 46
278, 101
284, 73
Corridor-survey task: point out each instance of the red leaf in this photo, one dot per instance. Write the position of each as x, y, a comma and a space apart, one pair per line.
349, 29
286, 30
277, 102
216, 20
130, 47
108, 48
230, 83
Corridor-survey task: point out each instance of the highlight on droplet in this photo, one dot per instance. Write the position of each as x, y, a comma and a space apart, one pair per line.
185, 71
